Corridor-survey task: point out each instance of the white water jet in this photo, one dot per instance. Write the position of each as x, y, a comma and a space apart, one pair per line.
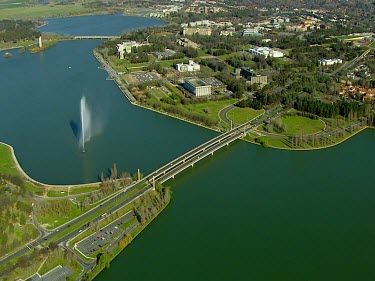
85, 123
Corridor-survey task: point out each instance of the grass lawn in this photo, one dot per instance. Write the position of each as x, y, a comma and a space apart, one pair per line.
372, 45
158, 93
43, 11
346, 37
242, 115
7, 165
212, 107
169, 63
51, 222
84, 189
201, 53
301, 125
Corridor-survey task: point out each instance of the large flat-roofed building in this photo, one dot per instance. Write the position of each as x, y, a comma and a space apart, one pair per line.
197, 87
126, 47
201, 30
251, 76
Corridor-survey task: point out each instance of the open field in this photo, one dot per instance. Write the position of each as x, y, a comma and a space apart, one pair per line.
301, 125
43, 11
242, 115
7, 165
210, 109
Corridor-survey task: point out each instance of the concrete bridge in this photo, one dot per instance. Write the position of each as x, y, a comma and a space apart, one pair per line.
187, 160
96, 37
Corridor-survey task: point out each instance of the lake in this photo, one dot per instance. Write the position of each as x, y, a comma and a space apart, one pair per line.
246, 213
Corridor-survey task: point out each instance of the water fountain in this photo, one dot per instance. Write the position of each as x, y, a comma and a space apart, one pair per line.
85, 123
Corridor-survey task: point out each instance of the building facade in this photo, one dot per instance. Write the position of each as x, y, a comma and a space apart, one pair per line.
201, 30
191, 66
126, 47
197, 87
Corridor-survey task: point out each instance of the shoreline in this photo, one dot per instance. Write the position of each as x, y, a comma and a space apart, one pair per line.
136, 103
106, 66
38, 183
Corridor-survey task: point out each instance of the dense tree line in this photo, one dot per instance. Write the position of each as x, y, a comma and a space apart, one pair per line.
15, 30
15, 208
351, 110
151, 203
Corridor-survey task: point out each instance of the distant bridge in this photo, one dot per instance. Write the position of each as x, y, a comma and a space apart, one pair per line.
96, 37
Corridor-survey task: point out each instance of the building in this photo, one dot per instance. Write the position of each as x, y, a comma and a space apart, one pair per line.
126, 47
228, 32
197, 87
201, 30
251, 76
326, 62
251, 32
184, 42
191, 66
160, 55
266, 52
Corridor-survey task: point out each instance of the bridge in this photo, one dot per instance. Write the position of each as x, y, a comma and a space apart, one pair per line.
161, 175
96, 37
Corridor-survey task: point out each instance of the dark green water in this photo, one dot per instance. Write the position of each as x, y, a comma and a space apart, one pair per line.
247, 213
251, 213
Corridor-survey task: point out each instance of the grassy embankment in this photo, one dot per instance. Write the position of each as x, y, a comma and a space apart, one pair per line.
8, 165
44, 11
303, 133
242, 115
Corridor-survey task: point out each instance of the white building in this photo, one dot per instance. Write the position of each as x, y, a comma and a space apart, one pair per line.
191, 66
197, 87
251, 32
126, 47
329, 61
266, 52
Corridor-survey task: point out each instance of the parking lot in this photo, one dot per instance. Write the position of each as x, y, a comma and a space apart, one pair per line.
59, 273
213, 82
104, 236
145, 76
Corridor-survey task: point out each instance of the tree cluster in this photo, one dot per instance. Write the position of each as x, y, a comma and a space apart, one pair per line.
151, 203
15, 30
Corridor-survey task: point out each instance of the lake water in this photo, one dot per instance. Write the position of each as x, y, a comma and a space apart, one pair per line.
247, 213
110, 25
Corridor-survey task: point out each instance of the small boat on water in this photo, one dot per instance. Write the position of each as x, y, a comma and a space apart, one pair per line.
7, 55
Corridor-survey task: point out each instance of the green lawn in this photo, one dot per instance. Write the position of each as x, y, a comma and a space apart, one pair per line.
83, 189
7, 165
242, 115
51, 222
372, 45
158, 93
212, 108
43, 11
297, 125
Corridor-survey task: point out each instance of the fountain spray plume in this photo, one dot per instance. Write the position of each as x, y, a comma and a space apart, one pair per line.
85, 123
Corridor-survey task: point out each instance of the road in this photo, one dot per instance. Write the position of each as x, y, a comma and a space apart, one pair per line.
351, 63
